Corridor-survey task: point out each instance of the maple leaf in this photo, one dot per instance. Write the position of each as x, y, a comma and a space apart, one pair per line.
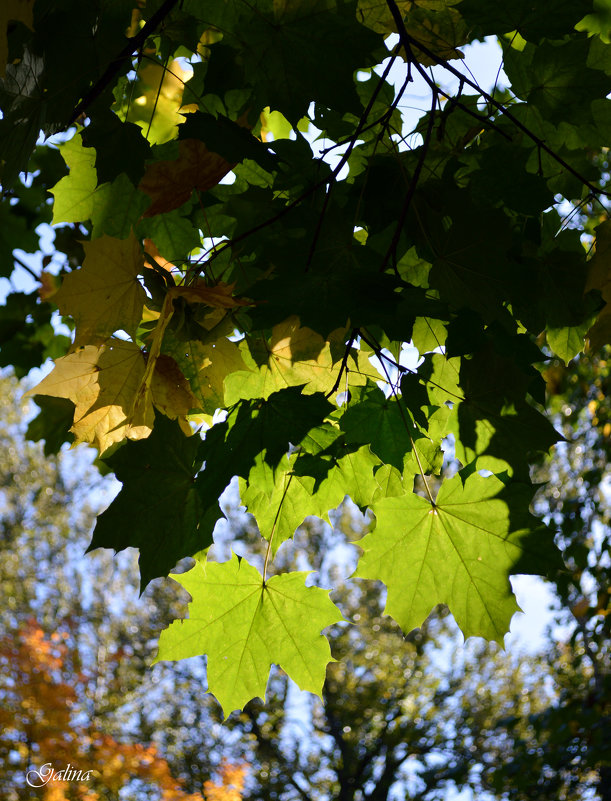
104, 295
53, 424
13, 11
497, 429
458, 551
388, 427
158, 509
74, 193
170, 390
159, 109
105, 385
280, 499
391, 252
206, 366
102, 383
170, 183
113, 207
245, 625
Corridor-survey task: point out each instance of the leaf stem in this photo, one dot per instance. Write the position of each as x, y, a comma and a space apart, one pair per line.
411, 439
273, 531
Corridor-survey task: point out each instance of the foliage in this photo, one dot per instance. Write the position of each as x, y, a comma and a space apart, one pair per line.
284, 295
563, 749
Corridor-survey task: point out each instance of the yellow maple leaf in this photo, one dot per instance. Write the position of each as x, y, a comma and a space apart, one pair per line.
13, 11
170, 390
102, 382
104, 295
106, 386
206, 366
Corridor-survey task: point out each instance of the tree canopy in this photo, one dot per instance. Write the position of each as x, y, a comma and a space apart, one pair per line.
248, 235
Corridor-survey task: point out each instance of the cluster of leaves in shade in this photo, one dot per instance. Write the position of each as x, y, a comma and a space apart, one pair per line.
285, 295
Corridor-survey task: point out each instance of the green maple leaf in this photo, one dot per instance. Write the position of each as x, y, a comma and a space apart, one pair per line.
245, 625
112, 207
74, 192
158, 509
52, 424
458, 551
260, 429
282, 46
531, 20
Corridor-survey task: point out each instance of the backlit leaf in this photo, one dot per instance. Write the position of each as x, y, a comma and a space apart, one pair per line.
103, 384
170, 183
459, 551
245, 625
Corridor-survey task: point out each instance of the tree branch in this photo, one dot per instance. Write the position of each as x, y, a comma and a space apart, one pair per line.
392, 249
344, 159
343, 366
25, 267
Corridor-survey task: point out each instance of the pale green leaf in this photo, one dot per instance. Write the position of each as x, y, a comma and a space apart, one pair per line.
459, 551
245, 625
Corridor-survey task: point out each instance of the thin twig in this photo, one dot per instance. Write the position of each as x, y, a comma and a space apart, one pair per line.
344, 159
343, 366
369, 340
25, 267
392, 249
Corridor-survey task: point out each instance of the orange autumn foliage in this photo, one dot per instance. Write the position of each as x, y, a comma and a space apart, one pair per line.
231, 785
42, 721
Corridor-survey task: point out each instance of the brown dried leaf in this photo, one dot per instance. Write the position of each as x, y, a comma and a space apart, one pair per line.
169, 183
